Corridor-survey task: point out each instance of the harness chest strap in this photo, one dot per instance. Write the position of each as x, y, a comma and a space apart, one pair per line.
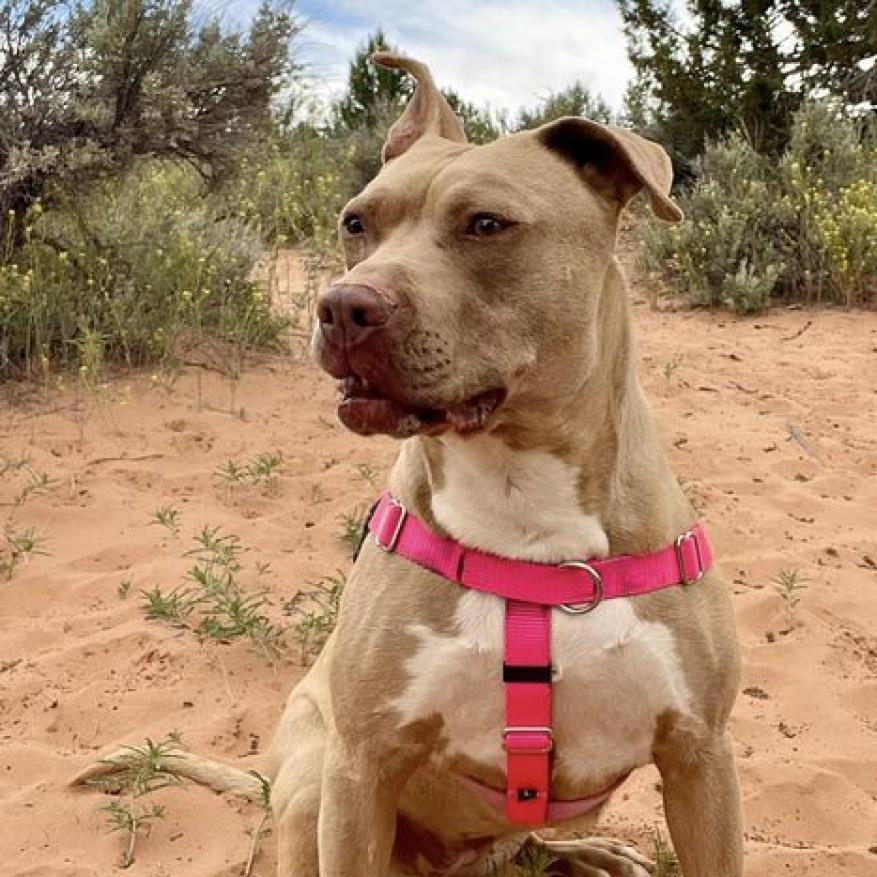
527, 739
531, 590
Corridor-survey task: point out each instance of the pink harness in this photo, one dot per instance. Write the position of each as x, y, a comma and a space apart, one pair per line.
531, 590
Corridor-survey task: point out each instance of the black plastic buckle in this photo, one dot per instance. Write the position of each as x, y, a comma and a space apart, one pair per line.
363, 535
526, 673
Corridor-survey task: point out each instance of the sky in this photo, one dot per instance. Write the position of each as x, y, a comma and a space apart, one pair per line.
499, 53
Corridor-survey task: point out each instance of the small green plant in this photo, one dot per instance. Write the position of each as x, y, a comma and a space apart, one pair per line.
27, 543
168, 517
22, 545
212, 602
12, 464
265, 803
231, 475
264, 470
38, 484
231, 472
535, 861
666, 863
35, 483
231, 614
671, 365
789, 584
352, 527
368, 474
216, 554
316, 608
138, 772
173, 606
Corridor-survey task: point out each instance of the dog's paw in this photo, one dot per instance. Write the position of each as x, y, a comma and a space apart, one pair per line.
595, 857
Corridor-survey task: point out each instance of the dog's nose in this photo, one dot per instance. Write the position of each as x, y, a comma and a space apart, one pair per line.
350, 312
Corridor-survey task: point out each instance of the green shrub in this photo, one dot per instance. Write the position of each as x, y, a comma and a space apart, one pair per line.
756, 231
130, 270
293, 188
848, 237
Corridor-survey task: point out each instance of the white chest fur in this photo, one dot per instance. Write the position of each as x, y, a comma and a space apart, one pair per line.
520, 504
614, 673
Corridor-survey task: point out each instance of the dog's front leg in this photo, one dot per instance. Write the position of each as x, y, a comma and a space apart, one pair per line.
362, 783
702, 804
357, 816
299, 751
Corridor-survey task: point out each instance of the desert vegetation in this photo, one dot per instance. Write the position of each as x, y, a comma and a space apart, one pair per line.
760, 229
137, 215
768, 113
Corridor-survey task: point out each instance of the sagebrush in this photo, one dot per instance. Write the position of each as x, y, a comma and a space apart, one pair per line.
758, 231
132, 274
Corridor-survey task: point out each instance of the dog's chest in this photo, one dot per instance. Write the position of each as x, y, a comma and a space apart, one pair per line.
613, 675
613, 672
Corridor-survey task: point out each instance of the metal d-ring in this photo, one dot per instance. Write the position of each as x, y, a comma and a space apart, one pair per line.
596, 578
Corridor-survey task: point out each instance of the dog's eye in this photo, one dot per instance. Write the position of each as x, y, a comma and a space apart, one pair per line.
353, 224
486, 224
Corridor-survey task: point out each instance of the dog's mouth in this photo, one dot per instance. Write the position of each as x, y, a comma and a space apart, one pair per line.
367, 410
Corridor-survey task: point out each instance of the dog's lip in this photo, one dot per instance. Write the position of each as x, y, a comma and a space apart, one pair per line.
368, 409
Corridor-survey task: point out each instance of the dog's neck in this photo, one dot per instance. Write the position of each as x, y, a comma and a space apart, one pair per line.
585, 479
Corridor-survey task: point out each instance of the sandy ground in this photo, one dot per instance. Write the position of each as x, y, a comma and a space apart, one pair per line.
776, 439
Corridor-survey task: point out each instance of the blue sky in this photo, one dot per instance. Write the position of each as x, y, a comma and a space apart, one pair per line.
504, 53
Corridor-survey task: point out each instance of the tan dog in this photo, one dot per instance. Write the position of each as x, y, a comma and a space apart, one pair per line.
484, 319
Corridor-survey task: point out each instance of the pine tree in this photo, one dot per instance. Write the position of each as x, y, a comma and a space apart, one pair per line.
374, 93
745, 64
836, 48
574, 100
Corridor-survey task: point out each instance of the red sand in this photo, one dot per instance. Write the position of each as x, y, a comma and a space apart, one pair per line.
776, 438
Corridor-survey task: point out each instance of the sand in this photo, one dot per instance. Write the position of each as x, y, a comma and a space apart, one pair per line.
775, 436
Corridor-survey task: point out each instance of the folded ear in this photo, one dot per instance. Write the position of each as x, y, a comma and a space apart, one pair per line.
616, 162
427, 112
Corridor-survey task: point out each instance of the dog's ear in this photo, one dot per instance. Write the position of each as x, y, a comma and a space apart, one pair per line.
427, 112
615, 162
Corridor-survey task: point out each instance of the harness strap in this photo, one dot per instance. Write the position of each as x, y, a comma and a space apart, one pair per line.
531, 591
527, 738
576, 582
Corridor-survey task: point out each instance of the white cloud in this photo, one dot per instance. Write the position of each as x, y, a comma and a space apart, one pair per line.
504, 54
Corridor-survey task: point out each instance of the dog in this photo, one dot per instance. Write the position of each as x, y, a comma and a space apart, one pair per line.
483, 320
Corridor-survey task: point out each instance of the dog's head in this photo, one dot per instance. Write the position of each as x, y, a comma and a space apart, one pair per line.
475, 273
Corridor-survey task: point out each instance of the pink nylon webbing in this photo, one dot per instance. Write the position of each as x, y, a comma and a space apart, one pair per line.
531, 590
527, 737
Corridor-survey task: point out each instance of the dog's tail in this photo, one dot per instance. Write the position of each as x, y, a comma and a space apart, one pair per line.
109, 772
